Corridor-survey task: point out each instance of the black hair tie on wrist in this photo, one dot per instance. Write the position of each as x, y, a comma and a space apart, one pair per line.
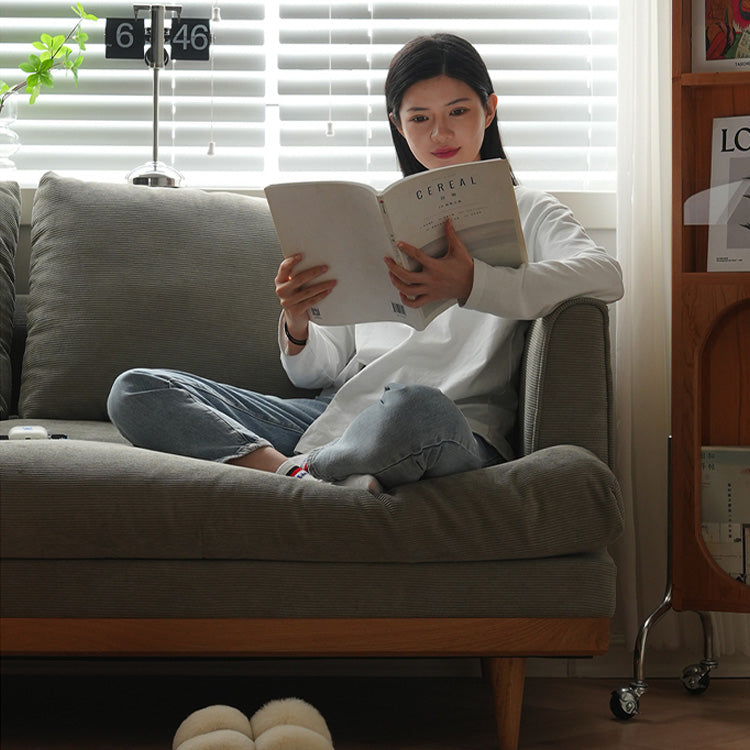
299, 342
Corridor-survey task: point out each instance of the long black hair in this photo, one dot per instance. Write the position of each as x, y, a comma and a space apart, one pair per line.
428, 57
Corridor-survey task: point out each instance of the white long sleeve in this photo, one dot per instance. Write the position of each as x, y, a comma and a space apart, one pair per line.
563, 262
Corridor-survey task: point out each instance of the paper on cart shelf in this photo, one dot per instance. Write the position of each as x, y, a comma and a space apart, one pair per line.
725, 506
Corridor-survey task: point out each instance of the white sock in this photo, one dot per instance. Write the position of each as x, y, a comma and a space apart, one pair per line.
294, 466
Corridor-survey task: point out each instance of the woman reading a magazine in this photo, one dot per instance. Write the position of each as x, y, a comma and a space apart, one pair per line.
396, 404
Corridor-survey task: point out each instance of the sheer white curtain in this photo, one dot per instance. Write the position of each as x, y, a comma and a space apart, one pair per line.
642, 348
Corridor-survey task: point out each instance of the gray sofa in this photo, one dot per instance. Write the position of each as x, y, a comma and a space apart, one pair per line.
112, 550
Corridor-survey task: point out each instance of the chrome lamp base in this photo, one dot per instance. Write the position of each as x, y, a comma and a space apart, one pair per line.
155, 174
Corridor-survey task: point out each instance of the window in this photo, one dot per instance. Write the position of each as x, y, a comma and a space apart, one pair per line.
280, 70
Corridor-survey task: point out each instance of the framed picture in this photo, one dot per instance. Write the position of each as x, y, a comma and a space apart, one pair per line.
721, 35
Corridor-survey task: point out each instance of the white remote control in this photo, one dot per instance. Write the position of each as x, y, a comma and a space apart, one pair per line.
28, 432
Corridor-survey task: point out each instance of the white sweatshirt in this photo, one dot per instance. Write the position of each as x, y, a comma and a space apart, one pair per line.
472, 352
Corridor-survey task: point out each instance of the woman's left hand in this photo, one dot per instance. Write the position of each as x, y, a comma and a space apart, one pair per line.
450, 276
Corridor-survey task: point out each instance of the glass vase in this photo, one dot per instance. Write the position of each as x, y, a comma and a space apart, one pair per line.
10, 141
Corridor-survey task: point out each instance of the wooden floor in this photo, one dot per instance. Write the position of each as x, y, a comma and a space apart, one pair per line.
66, 712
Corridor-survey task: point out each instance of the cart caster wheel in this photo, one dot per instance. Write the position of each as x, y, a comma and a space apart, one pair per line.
623, 703
696, 679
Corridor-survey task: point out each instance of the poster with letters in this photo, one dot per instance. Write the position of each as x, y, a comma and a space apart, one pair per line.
729, 202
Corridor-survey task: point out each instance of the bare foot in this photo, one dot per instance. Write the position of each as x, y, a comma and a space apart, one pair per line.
263, 459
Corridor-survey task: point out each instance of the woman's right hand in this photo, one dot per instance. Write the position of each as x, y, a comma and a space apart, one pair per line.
297, 293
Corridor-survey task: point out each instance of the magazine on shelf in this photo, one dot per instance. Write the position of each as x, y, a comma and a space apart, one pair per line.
729, 196
721, 35
725, 507
351, 227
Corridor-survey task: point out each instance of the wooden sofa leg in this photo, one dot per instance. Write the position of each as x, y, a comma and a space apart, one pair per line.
507, 678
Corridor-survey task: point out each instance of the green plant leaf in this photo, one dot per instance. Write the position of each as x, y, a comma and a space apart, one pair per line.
4, 87
79, 11
57, 44
55, 53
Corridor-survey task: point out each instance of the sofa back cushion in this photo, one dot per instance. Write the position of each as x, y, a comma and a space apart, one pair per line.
10, 222
128, 276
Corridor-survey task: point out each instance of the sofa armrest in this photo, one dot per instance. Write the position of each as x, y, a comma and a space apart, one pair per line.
565, 388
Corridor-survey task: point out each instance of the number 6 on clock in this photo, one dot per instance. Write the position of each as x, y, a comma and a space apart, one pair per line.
124, 38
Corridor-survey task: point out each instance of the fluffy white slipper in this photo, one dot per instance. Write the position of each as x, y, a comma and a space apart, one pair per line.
286, 737
209, 719
221, 739
289, 711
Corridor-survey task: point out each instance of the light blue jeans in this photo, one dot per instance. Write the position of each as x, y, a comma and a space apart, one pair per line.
409, 433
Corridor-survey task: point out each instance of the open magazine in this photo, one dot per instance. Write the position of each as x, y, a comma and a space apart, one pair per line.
351, 227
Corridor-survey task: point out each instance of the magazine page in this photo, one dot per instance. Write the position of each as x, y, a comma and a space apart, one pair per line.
477, 196
729, 204
340, 224
725, 507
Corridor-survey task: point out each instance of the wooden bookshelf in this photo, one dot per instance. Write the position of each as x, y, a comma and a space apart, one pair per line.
710, 328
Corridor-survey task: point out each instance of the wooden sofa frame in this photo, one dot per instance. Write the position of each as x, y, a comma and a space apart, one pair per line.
503, 644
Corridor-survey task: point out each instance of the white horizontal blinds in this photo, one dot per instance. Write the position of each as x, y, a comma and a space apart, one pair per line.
340, 80
553, 64
105, 124
281, 68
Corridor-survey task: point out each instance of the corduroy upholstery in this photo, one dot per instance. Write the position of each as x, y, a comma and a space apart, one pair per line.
10, 220
554, 502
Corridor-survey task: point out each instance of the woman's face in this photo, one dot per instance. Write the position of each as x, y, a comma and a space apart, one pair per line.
443, 121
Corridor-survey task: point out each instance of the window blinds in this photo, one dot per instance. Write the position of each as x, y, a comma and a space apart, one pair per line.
281, 70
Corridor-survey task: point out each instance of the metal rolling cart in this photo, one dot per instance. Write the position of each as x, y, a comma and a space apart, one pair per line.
625, 701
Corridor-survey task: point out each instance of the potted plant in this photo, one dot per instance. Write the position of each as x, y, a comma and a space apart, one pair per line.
54, 54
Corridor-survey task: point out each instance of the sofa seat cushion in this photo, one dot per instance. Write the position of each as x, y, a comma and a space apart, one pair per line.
76, 429
97, 500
